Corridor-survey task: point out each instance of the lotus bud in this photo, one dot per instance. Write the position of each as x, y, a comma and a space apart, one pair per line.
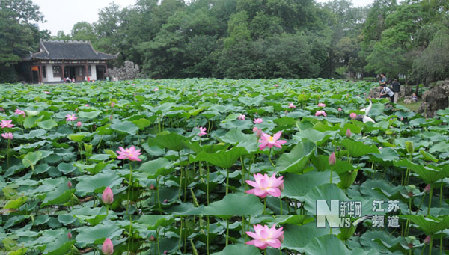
108, 196
108, 247
427, 188
152, 238
348, 133
427, 239
409, 147
332, 159
69, 184
69, 235
79, 124
151, 187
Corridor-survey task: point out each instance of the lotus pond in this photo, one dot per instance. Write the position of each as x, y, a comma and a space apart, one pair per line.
222, 167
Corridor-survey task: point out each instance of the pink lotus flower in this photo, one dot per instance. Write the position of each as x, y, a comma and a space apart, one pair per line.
202, 131
265, 236
427, 239
348, 133
427, 188
270, 141
353, 115
8, 135
71, 117
47, 92
275, 85
6, 123
332, 159
108, 247
402, 118
112, 104
265, 185
257, 131
321, 105
20, 112
291, 105
131, 153
1, 109
339, 109
79, 124
318, 113
258, 121
156, 89
108, 196
380, 148
241, 117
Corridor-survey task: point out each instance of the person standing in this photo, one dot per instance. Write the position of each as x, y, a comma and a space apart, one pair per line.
386, 92
383, 80
396, 89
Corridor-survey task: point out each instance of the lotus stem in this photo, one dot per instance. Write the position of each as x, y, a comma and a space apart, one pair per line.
207, 186
280, 199
157, 239
243, 227
130, 187
181, 176
227, 180
157, 195
243, 170
207, 236
410, 205
441, 245
269, 157
127, 207
180, 235
430, 245
227, 232
430, 201
7, 154
330, 179
441, 194
264, 205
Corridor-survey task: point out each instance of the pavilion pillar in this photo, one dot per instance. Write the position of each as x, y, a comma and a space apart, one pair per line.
40, 73
86, 72
106, 73
62, 72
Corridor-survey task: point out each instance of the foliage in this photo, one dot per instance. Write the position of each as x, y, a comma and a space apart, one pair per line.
187, 194
19, 35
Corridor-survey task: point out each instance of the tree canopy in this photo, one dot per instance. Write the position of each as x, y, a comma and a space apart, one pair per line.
253, 38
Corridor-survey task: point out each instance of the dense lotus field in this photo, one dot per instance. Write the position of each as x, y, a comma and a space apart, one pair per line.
221, 167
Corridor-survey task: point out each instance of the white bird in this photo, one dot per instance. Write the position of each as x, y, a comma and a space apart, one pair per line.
365, 117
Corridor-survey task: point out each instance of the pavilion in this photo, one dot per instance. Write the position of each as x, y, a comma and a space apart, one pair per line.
58, 60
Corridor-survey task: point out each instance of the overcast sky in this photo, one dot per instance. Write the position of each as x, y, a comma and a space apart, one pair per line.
63, 14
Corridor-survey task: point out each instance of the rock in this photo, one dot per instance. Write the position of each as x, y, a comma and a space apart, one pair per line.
406, 90
435, 99
128, 71
374, 92
408, 100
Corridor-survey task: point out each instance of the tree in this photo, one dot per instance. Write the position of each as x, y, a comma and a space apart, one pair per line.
19, 36
433, 63
83, 31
